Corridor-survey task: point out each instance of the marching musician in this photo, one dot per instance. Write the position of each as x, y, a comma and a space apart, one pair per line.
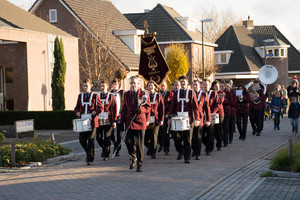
203, 106
184, 102
155, 119
227, 109
242, 111
257, 96
163, 132
107, 119
118, 93
232, 112
217, 107
88, 103
263, 106
207, 131
135, 105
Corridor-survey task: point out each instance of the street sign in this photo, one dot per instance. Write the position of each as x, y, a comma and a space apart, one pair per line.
269, 55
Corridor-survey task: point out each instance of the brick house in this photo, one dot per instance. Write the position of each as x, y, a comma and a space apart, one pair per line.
241, 53
103, 23
172, 28
26, 61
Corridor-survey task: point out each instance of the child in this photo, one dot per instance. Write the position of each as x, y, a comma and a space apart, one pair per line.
293, 113
277, 104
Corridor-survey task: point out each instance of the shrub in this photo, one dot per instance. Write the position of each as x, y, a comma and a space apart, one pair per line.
2, 137
283, 162
32, 151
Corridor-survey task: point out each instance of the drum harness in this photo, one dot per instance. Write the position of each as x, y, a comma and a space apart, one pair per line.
86, 104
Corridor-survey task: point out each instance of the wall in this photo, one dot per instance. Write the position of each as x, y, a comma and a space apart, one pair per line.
38, 74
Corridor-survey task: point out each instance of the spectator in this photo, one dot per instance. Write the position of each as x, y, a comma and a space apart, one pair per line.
293, 114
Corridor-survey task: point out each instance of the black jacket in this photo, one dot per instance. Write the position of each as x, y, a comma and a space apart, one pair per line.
294, 110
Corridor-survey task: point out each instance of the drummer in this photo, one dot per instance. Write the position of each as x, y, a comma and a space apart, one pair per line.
207, 134
107, 119
163, 132
197, 131
184, 103
118, 93
88, 103
155, 119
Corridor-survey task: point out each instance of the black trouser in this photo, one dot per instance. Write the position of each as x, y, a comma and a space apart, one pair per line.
197, 140
262, 120
86, 140
165, 135
255, 120
208, 137
186, 138
103, 137
151, 137
135, 145
119, 137
241, 123
226, 129
276, 119
231, 128
219, 132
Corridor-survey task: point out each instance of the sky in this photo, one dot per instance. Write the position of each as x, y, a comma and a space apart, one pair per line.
284, 14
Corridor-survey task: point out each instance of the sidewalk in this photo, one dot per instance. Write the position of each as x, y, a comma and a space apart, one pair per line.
232, 173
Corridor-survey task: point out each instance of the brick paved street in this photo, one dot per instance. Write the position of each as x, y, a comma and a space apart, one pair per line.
232, 173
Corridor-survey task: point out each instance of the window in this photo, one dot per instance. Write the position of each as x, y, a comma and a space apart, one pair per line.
276, 52
52, 15
223, 58
167, 49
282, 52
270, 51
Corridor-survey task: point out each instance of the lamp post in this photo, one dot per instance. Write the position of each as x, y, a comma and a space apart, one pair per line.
265, 50
202, 21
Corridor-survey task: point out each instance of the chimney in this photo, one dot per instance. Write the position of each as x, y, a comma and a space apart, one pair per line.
248, 23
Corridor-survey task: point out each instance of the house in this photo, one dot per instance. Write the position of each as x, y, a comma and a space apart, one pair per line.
241, 53
100, 25
26, 61
172, 28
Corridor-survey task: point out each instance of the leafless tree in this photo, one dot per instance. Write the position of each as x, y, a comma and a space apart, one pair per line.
221, 21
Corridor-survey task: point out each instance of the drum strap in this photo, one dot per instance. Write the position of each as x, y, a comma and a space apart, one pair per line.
104, 101
199, 96
186, 99
86, 104
154, 98
118, 100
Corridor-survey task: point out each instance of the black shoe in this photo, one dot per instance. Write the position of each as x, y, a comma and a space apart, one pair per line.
153, 156
117, 154
160, 148
102, 154
132, 165
230, 142
193, 154
254, 132
197, 158
258, 134
166, 153
138, 168
179, 156
106, 159
243, 138
207, 153
89, 163
187, 161
293, 130
218, 148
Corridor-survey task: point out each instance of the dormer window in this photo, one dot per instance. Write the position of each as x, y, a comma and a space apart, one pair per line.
222, 57
53, 16
188, 23
131, 39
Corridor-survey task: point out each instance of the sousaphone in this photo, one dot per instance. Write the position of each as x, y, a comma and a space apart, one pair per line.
268, 74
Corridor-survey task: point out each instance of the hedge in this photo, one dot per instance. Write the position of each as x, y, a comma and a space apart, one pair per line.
42, 119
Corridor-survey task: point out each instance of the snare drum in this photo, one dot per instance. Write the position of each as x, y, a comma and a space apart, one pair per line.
180, 124
214, 118
86, 116
82, 125
103, 119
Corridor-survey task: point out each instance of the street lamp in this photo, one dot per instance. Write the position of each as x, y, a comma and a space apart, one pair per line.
204, 20
265, 50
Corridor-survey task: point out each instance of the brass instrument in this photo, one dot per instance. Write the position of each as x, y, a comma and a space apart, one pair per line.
241, 98
253, 93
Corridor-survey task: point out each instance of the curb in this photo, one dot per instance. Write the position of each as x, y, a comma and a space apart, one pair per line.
282, 174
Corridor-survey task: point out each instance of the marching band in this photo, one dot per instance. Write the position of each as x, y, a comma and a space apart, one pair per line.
190, 116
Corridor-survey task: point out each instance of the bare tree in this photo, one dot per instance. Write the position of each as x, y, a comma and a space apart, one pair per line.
96, 63
221, 21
